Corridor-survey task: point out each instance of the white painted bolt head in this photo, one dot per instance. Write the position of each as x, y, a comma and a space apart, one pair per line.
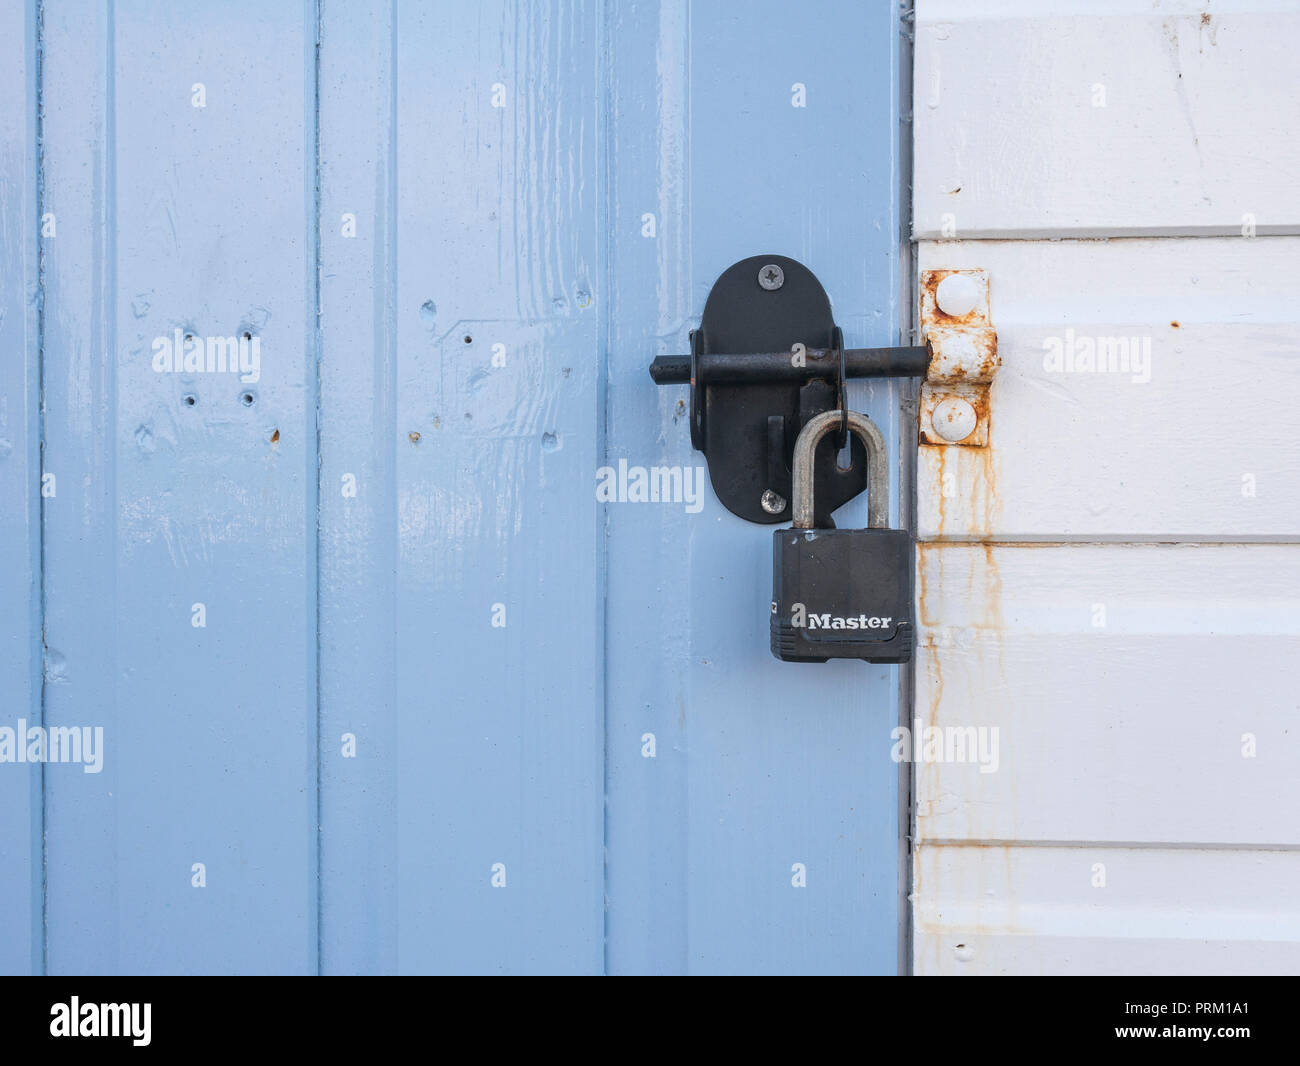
953, 418
957, 295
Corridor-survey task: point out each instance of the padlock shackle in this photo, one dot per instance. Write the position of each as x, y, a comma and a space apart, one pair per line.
805, 449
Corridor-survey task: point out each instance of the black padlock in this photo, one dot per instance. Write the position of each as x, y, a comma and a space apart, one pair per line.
842, 593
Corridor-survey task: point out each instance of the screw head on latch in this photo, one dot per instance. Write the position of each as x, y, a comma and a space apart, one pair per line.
954, 418
771, 277
772, 502
957, 295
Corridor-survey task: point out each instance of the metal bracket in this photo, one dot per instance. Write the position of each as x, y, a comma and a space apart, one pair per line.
955, 323
766, 359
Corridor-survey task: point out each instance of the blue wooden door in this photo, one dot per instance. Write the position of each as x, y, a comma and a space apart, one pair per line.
384, 684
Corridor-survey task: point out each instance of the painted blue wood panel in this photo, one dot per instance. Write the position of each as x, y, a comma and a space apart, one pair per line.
21, 888
410, 736
359, 438
497, 628
459, 426
759, 765
199, 219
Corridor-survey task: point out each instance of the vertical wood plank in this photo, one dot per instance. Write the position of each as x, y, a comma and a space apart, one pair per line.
21, 936
497, 628
759, 765
200, 219
359, 501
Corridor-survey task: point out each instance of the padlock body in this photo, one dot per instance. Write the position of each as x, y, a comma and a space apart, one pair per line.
842, 594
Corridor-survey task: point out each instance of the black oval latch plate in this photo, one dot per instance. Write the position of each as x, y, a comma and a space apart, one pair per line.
747, 430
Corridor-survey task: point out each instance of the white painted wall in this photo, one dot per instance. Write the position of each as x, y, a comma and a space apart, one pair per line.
1114, 584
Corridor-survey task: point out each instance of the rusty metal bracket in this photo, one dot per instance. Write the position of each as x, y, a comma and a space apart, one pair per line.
964, 345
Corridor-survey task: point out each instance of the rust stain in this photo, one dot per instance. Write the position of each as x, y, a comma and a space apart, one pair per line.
992, 592
1175, 324
934, 661
963, 485
968, 648
961, 613
922, 587
275, 437
943, 504
928, 790
992, 498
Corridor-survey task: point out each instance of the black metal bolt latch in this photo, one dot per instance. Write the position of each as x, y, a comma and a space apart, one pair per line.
766, 359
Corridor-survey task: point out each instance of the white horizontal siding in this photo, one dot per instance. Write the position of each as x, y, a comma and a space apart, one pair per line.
1200, 444
1100, 909
1114, 583
1122, 679
1070, 119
